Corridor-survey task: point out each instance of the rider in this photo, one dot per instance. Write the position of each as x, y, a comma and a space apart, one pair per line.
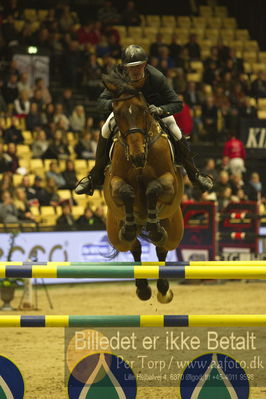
163, 103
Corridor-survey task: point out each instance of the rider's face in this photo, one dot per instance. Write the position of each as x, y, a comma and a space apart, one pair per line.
136, 72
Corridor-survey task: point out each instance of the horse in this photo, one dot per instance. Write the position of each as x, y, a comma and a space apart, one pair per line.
143, 187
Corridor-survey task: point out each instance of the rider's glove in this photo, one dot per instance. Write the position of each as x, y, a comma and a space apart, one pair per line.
155, 110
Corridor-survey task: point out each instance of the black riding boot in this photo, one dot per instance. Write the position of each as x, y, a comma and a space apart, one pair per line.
95, 178
185, 156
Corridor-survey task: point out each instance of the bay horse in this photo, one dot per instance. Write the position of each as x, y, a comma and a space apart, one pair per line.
142, 188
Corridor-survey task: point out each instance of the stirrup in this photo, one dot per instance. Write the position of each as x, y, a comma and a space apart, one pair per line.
85, 186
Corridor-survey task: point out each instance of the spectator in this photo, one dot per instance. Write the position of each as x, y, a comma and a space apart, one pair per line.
27, 187
84, 148
41, 194
99, 213
222, 183
3, 106
8, 211
34, 118
22, 104
78, 119
58, 148
37, 99
89, 221
234, 150
224, 198
10, 34
156, 45
174, 48
72, 62
7, 182
254, 187
67, 18
184, 118
213, 58
193, 47
236, 183
114, 49
193, 97
209, 118
247, 110
66, 221
54, 173
210, 169
10, 89
5, 159
60, 117
12, 153
13, 133
130, 16
210, 74
258, 86
108, 15
45, 94
67, 102
21, 204
87, 35
40, 144
23, 83
52, 199
48, 115
69, 175
92, 77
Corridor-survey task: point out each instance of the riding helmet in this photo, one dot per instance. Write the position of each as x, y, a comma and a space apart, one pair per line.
134, 55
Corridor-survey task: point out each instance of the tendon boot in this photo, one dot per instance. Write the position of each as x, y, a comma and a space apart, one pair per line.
95, 178
185, 156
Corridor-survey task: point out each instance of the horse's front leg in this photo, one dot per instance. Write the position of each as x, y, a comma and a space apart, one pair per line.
124, 194
157, 234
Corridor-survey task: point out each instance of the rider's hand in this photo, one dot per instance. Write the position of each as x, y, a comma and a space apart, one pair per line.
155, 110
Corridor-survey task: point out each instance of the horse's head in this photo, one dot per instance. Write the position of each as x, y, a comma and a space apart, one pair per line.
132, 117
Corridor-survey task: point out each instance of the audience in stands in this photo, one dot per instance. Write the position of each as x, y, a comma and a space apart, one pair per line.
219, 92
66, 221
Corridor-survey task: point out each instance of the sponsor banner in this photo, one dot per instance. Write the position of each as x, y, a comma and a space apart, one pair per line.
91, 246
248, 225
37, 66
253, 135
198, 242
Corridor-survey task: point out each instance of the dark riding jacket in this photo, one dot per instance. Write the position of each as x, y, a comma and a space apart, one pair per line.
155, 90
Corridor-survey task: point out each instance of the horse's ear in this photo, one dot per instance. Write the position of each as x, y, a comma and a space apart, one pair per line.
109, 85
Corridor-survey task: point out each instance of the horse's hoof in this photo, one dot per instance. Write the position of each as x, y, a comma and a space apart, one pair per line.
167, 298
161, 239
144, 294
125, 235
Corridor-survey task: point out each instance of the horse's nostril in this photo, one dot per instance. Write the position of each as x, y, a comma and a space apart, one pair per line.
138, 160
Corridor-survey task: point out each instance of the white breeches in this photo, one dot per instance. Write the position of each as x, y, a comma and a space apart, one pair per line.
168, 120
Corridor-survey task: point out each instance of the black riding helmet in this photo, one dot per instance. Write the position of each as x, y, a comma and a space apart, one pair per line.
134, 55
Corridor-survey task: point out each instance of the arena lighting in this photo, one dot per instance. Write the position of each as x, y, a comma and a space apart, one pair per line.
32, 50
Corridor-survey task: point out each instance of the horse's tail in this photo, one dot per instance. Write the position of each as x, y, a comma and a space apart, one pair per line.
112, 254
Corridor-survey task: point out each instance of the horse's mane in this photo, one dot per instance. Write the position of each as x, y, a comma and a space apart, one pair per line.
120, 80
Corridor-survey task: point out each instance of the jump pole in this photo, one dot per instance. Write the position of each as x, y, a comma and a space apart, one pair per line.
135, 272
121, 264
134, 321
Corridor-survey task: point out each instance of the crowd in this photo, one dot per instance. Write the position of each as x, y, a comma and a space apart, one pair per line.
80, 51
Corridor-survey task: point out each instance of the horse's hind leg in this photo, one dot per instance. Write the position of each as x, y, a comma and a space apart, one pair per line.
165, 295
143, 289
